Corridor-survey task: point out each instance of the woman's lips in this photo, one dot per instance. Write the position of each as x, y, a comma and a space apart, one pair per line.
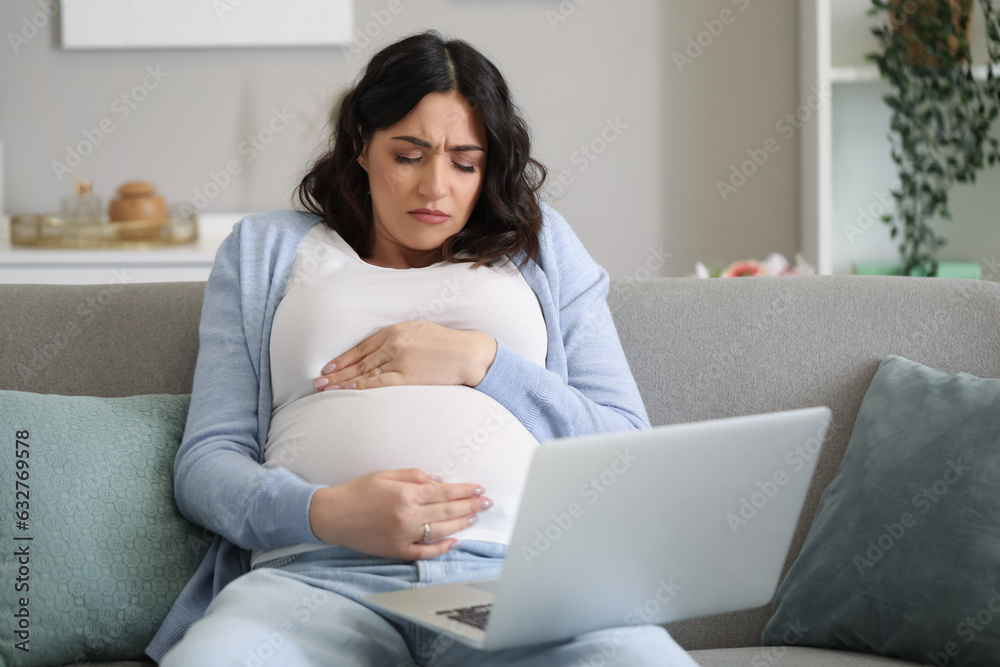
428, 218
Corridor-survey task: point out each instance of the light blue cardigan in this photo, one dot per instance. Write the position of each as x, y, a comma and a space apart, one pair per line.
219, 482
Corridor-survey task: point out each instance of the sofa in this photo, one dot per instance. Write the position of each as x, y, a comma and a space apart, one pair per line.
699, 349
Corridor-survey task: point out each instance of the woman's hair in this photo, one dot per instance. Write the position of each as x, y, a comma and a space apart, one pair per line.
507, 216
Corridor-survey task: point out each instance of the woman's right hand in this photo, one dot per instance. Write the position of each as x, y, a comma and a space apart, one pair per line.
383, 513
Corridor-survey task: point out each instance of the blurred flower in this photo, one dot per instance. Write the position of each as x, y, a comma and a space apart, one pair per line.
744, 268
774, 265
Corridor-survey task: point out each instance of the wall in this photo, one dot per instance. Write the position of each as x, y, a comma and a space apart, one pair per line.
731, 98
576, 67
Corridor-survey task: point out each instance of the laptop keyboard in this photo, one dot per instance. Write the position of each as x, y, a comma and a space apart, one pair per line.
476, 615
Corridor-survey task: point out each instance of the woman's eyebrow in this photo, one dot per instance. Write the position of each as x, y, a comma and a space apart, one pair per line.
421, 142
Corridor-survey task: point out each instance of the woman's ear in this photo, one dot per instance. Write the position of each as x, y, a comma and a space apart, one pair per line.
363, 157
364, 145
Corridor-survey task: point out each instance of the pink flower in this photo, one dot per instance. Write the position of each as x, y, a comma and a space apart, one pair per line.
744, 268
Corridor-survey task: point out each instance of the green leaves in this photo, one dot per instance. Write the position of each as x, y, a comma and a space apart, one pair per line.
941, 114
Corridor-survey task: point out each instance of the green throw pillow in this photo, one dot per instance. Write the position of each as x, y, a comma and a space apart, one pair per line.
94, 551
903, 557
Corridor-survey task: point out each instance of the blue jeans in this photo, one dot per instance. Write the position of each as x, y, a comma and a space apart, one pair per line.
308, 609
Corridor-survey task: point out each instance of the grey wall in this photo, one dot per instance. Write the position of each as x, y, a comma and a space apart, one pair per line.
652, 191
729, 100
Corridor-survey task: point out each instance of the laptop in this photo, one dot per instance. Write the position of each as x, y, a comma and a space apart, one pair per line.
638, 527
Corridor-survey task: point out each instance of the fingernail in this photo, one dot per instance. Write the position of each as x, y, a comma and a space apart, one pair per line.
437, 477
478, 491
350, 385
486, 504
319, 383
329, 368
454, 544
473, 519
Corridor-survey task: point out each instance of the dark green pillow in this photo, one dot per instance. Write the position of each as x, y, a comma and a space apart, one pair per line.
903, 557
94, 551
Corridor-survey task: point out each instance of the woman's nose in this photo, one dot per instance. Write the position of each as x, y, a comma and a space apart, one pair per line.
434, 180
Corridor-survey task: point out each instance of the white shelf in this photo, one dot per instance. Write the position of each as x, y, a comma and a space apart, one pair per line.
19, 264
870, 73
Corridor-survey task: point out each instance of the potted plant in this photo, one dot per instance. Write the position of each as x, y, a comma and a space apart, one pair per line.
941, 113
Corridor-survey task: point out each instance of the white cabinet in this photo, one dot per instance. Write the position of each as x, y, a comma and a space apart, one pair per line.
19, 264
846, 172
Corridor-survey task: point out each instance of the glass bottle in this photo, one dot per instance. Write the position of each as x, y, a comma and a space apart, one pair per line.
82, 207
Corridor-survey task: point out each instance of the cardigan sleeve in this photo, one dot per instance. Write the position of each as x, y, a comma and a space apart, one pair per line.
599, 394
218, 480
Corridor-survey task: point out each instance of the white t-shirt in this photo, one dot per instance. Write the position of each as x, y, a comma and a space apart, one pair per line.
333, 301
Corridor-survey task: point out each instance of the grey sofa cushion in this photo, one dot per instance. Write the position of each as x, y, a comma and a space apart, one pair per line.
903, 557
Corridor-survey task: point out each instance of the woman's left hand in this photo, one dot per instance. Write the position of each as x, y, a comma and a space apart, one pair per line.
414, 352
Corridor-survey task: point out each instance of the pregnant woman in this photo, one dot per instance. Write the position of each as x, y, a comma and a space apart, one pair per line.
374, 374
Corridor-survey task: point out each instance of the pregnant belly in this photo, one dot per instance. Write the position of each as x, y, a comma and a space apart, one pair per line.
458, 432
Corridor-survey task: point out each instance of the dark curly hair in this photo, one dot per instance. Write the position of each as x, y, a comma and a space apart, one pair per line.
507, 216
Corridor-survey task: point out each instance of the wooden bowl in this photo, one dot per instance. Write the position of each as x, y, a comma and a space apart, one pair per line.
137, 200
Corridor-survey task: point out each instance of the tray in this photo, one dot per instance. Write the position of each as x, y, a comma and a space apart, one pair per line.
48, 230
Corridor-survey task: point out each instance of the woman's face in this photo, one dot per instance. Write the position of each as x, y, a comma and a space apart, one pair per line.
433, 159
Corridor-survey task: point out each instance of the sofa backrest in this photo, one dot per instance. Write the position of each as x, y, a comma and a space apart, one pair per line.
699, 349
100, 340
705, 349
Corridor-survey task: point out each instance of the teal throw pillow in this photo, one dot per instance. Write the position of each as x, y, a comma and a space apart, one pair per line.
94, 551
903, 557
